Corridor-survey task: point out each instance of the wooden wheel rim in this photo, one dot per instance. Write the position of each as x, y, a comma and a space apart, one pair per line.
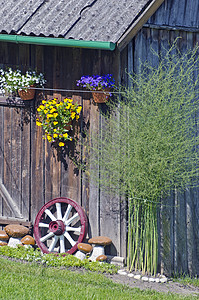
67, 211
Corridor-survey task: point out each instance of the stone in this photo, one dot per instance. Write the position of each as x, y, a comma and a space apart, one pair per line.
101, 258
163, 280
16, 231
151, 279
3, 236
3, 243
157, 280
137, 277
100, 240
14, 242
131, 275
122, 272
116, 260
28, 240
86, 248
144, 278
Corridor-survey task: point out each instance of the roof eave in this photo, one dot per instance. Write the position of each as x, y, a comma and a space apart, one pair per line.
137, 25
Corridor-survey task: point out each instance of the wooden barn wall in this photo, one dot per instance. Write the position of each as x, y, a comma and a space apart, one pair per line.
177, 13
179, 219
30, 169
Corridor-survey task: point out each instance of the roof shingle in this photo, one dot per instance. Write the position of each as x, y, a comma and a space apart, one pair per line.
95, 20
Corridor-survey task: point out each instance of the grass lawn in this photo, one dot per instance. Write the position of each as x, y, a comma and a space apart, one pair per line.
32, 281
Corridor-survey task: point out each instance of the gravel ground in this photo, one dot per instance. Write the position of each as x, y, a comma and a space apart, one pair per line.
169, 287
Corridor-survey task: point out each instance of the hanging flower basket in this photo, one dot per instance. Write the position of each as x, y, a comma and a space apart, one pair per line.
14, 82
57, 118
101, 97
28, 94
98, 84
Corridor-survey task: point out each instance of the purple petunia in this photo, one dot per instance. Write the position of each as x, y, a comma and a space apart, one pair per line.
96, 82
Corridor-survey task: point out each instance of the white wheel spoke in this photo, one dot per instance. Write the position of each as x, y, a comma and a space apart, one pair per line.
43, 225
69, 238
77, 229
62, 246
73, 218
67, 213
59, 214
46, 237
52, 245
48, 212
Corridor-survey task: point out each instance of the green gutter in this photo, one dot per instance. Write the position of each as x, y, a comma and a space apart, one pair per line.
48, 41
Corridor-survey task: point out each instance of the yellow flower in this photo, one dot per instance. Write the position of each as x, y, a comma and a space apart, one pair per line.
55, 115
55, 123
52, 110
79, 109
45, 111
61, 144
73, 115
65, 135
38, 109
54, 129
49, 138
49, 116
43, 101
55, 135
38, 123
70, 100
41, 107
77, 117
68, 106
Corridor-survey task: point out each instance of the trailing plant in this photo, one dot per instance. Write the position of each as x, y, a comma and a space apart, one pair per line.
13, 80
56, 117
148, 147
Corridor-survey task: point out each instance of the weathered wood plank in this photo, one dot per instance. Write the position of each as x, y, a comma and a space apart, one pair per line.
26, 182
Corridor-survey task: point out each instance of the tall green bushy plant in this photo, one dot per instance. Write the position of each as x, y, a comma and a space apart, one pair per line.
149, 147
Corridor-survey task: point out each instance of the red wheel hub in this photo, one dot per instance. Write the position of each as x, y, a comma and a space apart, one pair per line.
57, 227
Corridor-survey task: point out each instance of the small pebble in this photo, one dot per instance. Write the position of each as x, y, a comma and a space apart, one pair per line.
137, 276
131, 275
151, 279
157, 280
122, 272
144, 278
163, 280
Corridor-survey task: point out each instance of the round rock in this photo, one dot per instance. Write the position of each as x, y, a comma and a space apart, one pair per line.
3, 243
28, 240
3, 235
86, 248
100, 240
16, 231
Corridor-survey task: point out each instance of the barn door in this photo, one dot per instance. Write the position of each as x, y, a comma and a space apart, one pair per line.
15, 129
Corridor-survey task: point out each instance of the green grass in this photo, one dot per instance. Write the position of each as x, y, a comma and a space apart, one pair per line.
33, 281
186, 280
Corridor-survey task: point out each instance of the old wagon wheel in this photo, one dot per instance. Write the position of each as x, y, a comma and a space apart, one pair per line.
60, 225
